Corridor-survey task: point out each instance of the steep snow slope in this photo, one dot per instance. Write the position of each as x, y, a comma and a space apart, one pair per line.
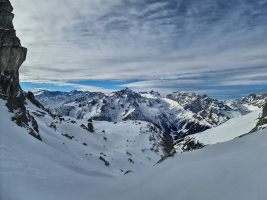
228, 130
31, 169
235, 170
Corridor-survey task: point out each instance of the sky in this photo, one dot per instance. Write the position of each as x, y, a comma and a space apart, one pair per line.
214, 47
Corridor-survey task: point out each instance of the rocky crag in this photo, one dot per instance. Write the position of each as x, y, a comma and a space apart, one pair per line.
12, 55
262, 123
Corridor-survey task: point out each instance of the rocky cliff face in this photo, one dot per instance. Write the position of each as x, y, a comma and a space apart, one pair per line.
12, 55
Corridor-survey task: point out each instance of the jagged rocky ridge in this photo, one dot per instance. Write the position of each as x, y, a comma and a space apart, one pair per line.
178, 114
125, 105
217, 111
212, 110
12, 55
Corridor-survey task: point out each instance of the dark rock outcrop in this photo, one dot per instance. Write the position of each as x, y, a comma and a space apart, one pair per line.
104, 160
12, 55
262, 123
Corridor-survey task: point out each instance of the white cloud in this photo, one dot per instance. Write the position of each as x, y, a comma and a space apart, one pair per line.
135, 40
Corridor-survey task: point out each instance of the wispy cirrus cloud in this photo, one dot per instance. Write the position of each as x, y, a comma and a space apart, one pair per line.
155, 43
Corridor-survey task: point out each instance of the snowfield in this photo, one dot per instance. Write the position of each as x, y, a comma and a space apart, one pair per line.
30, 169
229, 130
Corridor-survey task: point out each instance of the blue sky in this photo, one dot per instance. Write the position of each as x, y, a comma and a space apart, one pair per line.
218, 47
226, 92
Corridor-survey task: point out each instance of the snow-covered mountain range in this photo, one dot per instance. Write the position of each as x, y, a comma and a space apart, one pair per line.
178, 114
83, 145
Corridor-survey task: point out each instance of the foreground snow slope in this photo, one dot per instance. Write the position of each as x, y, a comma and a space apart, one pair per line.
31, 169
228, 130
235, 170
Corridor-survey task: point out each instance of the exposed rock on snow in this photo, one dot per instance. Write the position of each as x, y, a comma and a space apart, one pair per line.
262, 123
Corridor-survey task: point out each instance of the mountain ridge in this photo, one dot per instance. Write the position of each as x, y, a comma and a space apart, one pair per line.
178, 114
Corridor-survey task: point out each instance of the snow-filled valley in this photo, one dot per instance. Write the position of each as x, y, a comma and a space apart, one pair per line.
66, 164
